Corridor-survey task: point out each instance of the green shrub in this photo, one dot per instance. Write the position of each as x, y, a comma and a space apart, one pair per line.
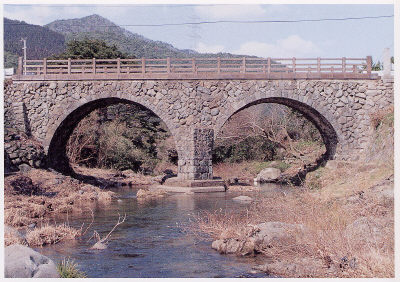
69, 269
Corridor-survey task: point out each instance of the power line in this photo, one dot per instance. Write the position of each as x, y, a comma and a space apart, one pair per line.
236, 21
122, 5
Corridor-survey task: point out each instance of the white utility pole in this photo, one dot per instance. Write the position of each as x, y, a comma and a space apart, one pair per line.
24, 48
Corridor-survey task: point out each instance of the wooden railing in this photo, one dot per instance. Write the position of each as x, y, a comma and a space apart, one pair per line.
192, 68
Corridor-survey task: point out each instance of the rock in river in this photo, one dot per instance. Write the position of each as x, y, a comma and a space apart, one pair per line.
243, 199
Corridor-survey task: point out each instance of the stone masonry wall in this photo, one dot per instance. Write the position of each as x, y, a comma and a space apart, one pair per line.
194, 110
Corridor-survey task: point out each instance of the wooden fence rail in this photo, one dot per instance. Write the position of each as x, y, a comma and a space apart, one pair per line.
176, 68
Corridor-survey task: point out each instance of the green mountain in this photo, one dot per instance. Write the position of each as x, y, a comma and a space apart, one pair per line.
41, 42
97, 27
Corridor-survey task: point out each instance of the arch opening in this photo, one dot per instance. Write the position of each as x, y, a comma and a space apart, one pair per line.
131, 145
271, 132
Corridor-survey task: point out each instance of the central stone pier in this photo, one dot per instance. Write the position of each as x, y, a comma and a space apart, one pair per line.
195, 172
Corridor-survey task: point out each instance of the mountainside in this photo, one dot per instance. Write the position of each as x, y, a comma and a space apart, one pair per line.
41, 41
97, 27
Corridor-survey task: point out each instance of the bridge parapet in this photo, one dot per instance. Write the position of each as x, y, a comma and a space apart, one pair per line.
196, 68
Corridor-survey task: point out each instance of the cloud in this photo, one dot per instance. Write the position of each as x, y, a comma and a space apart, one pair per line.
204, 48
292, 46
229, 11
41, 15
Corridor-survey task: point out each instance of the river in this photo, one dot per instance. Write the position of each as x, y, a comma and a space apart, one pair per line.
152, 241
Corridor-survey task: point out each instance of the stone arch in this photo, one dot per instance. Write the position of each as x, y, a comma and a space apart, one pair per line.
60, 131
325, 126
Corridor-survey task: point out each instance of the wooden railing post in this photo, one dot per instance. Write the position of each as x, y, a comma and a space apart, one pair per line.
194, 69
218, 65
45, 66
294, 64
343, 65
244, 65
269, 65
143, 65
369, 65
319, 65
119, 65
69, 65
94, 65
168, 65
19, 69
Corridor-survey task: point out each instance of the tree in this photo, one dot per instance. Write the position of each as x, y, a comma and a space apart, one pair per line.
282, 131
377, 66
91, 48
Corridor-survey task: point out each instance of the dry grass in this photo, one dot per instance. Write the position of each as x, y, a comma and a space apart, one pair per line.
163, 166
245, 169
130, 178
347, 178
379, 116
327, 216
48, 234
66, 197
13, 237
11, 240
249, 169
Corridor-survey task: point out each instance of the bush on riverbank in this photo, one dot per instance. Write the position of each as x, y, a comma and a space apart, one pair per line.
49, 234
69, 269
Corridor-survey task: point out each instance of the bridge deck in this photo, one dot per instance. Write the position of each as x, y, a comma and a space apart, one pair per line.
196, 68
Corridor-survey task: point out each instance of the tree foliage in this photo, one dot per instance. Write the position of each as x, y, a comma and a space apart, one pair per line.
10, 60
122, 136
91, 48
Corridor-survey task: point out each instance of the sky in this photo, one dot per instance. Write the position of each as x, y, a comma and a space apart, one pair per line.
351, 38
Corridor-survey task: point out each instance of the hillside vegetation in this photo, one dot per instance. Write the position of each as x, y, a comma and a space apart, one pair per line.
41, 41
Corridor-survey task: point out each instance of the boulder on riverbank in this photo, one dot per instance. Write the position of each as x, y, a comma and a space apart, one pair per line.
269, 174
23, 262
260, 236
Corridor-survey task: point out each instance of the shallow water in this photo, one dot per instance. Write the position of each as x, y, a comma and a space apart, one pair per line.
152, 242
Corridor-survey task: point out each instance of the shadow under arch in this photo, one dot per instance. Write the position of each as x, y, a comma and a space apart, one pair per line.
57, 158
327, 131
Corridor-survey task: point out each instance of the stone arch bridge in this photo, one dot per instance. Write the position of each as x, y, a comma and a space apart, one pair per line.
195, 106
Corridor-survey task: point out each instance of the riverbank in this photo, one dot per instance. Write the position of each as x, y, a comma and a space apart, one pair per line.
350, 218
339, 223
33, 199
